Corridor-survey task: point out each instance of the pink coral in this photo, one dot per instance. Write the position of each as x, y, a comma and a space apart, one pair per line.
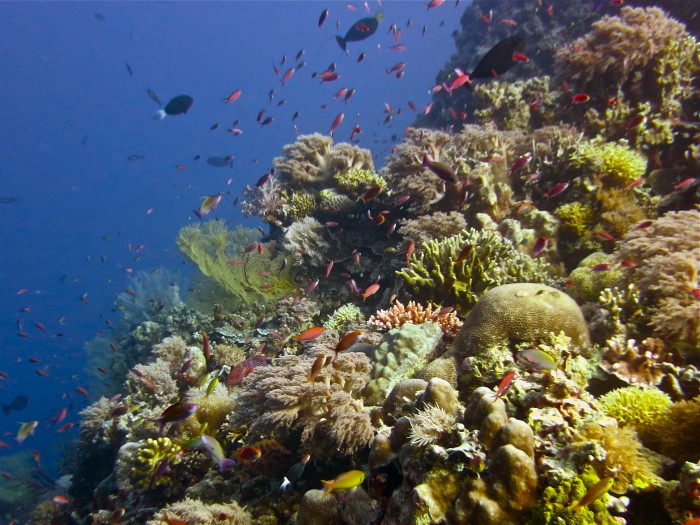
415, 313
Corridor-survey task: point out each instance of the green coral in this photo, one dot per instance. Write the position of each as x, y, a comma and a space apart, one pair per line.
434, 274
576, 216
299, 205
251, 278
343, 317
587, 284
358, 179
634, 406
329, 200
553, 506
620, 163
150, 459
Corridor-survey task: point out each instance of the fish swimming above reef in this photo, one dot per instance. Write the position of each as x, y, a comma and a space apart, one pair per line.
360, 30
220, 162
177, 106
18, 403
345, 481
7, 200
499, 58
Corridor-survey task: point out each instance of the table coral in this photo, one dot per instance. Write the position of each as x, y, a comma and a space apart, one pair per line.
414, 313
435, 274
326, 416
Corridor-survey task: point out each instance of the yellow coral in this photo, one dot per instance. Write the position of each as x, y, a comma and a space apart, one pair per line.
153, 461
358, 179
576, 216
633, 406
300, 205
621, 164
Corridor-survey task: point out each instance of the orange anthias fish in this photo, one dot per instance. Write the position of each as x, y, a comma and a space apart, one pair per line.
321, 361
311, 333
505, 385
371, 290
347, 341
208, 205
248, 454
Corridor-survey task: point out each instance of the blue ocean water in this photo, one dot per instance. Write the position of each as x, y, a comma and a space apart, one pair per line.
77, 217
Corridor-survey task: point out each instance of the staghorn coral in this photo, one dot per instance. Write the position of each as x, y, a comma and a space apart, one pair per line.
631, 52
250, 277
344, 317
304, 239
196, 512
400, 354
414, 313
435, 275
435, 226
313, 159
667, 258
554, 506
279, 401
616, 452
621, 164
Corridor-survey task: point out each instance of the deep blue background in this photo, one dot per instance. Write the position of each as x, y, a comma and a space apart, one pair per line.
65, 82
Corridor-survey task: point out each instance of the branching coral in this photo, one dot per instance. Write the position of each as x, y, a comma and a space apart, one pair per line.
219, 253
415, 313
438, 274
344, 317
280, 401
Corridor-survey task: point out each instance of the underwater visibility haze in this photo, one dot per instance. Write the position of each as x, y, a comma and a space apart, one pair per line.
383, 262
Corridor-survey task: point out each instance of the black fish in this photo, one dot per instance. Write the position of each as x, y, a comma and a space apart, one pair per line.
99, 16
177, 106
219, 162
7, 200
128, 68
154, 97
499, 59
18, 403
360, 30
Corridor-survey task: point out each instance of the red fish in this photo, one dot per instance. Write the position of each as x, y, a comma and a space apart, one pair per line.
310, 334
409, 252
435, 3
241, 370
580, 98
336, 123
206, 349
519, 57
347, 341
288, 74
684, 183
605, 235
317, 366
557, 189
370, 290
635, 183
81, 391
248, 454
505, 385
311, 286
371, 194
520, 163
233, 96
540, 246
328, 76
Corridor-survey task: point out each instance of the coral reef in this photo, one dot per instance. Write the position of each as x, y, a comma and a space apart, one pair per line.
401, 353
344, 317
620, 164
305, 241
459, 269
324, 414
414, 313
196, 512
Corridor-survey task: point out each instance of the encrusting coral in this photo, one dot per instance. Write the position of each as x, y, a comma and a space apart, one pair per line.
459, 269
414, 313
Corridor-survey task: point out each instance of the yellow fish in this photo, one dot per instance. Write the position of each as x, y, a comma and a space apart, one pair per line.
26, 430
208, 205
345, 481
595, 492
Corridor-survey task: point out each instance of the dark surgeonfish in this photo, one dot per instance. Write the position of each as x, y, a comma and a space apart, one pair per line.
360, 30
499, 59
177, 106
220, 162
18, 403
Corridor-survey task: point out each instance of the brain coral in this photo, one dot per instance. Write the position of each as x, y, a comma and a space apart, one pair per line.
436, 275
